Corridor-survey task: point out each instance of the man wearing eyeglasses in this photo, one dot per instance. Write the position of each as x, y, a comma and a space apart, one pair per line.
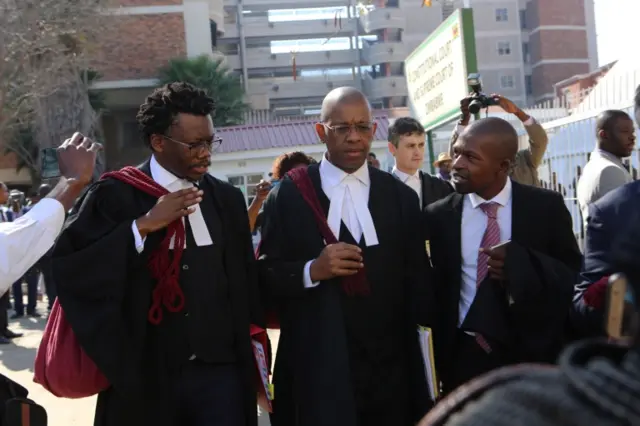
348, 351
155, 273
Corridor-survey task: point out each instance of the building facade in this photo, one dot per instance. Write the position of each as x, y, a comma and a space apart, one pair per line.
289, 57
524, 47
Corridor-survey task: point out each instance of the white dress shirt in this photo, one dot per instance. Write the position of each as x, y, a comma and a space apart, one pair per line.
24, 241
412, 181
474, 223
349, 198
172, 183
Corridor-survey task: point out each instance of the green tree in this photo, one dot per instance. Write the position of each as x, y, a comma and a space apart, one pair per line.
216, 79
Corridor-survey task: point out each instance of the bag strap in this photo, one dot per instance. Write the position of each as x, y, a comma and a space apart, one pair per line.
301, 179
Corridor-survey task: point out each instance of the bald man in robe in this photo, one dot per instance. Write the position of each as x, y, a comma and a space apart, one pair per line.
505, 260
348, 303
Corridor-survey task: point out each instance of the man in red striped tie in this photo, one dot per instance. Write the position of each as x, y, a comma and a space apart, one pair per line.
505, 257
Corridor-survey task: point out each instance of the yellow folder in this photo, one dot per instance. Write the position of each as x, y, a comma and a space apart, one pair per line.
425, 336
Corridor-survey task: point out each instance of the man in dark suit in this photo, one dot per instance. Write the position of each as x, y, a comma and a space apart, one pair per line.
345, 286
504, 256
406, 144
160, 290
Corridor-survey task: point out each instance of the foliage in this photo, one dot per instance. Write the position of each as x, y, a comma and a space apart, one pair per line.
213, 77
44, 45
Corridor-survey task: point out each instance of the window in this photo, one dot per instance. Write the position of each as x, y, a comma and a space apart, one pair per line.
504, 48
506, 82
523, 19
528, 85
502, 15
247, 184
525, 52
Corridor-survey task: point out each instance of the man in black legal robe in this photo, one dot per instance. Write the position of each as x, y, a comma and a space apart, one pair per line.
516, 308
347, 358
167, 366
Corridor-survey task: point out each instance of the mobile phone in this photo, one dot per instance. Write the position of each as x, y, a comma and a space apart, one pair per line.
49, 168
621, 313
502, 244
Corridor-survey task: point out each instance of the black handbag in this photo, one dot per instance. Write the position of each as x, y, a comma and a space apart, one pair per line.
16, 409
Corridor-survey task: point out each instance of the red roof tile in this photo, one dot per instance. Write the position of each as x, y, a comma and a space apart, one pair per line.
279, 135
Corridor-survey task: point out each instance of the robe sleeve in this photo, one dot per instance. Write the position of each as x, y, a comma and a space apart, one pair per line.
420, 298
95, 265
255, 303
282, 277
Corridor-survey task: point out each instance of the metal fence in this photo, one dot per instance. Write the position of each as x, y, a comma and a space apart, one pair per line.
572, 139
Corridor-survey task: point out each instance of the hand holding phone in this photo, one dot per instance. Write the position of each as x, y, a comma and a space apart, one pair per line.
497, 255
74, 159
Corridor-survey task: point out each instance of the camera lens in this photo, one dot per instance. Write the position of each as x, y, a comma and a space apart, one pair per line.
475, 106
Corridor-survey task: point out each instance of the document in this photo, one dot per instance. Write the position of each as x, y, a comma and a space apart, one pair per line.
425, 336
258, 342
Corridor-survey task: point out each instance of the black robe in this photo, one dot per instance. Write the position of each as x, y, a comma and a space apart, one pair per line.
346, 361
105, 289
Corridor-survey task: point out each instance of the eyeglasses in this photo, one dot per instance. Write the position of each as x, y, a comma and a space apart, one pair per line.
201, 146
344, 129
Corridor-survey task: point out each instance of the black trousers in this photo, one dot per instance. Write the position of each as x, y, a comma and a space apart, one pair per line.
4, 318
470, 361
209, 395
31, 278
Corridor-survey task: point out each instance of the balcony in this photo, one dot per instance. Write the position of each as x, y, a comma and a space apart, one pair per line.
383, 18
283, 4
281, 88
384, 52
263, 58
216, 14
260, 27
385, 87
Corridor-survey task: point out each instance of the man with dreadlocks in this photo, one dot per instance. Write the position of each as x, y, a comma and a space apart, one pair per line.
155, 273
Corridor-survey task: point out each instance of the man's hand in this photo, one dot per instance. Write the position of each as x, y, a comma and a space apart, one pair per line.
262, 190
169, 208
508, 106
77, 158
336, 260
495, 264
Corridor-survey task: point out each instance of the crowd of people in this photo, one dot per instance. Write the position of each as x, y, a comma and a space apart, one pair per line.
156, 273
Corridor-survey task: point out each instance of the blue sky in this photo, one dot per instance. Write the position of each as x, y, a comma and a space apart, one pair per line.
617, 24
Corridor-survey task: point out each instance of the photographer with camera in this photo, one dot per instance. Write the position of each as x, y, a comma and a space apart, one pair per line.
525, 169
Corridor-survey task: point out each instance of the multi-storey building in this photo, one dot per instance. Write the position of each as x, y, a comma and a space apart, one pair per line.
525, 46
290, 53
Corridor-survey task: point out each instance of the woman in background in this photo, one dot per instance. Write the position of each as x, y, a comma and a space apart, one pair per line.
281, 166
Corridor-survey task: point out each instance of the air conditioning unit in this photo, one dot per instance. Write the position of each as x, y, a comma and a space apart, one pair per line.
275, 88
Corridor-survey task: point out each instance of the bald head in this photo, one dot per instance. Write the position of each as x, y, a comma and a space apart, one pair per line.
500, 133
341, 96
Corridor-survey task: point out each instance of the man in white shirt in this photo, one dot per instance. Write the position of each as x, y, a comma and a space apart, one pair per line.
605, 171
348, 352
505, 259
406, 144
24, 241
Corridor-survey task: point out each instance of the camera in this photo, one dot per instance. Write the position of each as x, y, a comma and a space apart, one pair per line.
479, 100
